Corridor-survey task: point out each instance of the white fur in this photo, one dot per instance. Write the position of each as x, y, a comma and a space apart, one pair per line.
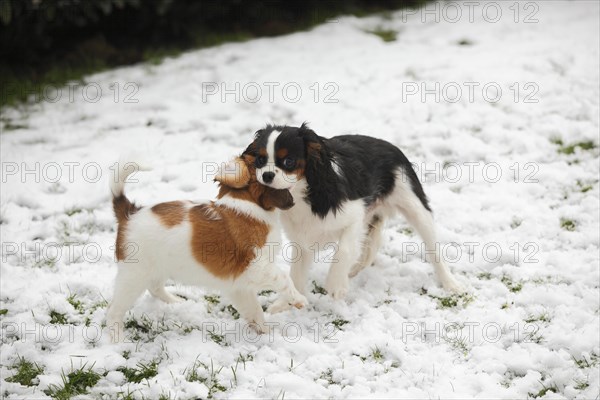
124, 168
249, 209
357, 245
282, 180
158, 253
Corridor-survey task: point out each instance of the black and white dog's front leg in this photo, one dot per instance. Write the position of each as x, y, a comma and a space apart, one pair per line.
345, 257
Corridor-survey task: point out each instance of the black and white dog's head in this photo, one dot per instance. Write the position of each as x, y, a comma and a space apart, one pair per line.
281, 154
284, 155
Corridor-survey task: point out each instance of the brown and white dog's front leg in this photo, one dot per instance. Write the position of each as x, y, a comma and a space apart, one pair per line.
267, 276
246, 303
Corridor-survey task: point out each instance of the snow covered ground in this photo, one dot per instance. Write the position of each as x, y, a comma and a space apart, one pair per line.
512, 177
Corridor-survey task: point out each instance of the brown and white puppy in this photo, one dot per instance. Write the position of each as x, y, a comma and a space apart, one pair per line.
226, 244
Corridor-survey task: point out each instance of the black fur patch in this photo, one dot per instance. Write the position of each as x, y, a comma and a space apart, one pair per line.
366, 167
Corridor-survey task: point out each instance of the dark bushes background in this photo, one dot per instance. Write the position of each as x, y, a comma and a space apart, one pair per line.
52, 41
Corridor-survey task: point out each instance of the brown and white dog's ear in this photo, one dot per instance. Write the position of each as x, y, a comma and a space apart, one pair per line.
249, 155
279, 198
234, 174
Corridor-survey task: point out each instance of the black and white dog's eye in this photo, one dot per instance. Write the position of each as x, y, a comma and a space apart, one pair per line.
289, 163
260, 161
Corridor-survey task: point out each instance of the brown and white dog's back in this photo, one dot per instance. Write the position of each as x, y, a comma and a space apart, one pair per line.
222, 244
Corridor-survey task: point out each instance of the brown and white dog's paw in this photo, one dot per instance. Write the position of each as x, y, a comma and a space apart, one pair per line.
284, 303
259, 327
337, 288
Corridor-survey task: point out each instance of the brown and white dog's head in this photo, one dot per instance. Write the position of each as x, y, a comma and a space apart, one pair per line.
238, 179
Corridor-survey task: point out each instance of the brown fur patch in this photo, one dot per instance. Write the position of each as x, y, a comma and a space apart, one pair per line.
235, 174
299, 171
170, 213
265, 197
227, 245
281, 153
314, 149
123, 208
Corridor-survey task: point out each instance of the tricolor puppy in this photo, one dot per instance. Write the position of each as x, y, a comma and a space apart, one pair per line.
344, 188
222, 244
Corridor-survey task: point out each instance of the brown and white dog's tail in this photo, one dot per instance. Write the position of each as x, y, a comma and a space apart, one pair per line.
122, 207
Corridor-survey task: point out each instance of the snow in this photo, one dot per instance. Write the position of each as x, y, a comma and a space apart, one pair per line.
399, 340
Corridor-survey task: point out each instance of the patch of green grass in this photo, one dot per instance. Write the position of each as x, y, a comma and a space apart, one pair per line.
584, 187
244, 358
266, 292
212, 299
465, 42
516, 223
542, 317
126, 395
376, 354
327, 376
584, 362
77, 304
485, 276
231, 310
567, 224
458, 344
505, 305
8, 125
549, 279
140, 372
27, 372
145, 326
339, 322
217, 338
318, 289
45, 262
514, 287
534, 336
3, 311
544, 390
454, 300
387, 35
58, 318
407, 231
581, 384
73, 211
74, 383
200, 372
570, 149
165, 396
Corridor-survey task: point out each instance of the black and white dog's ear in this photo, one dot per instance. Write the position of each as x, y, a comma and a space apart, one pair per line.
323, 188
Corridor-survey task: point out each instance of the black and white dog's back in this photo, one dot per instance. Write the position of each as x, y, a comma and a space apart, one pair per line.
344, 188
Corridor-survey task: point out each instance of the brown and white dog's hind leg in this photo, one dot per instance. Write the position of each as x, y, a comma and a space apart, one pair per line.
129, 285
158, 290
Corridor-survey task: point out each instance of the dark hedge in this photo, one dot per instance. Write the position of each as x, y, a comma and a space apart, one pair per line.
56, 40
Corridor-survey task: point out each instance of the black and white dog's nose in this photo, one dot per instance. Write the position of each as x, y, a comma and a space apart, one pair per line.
268, 177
